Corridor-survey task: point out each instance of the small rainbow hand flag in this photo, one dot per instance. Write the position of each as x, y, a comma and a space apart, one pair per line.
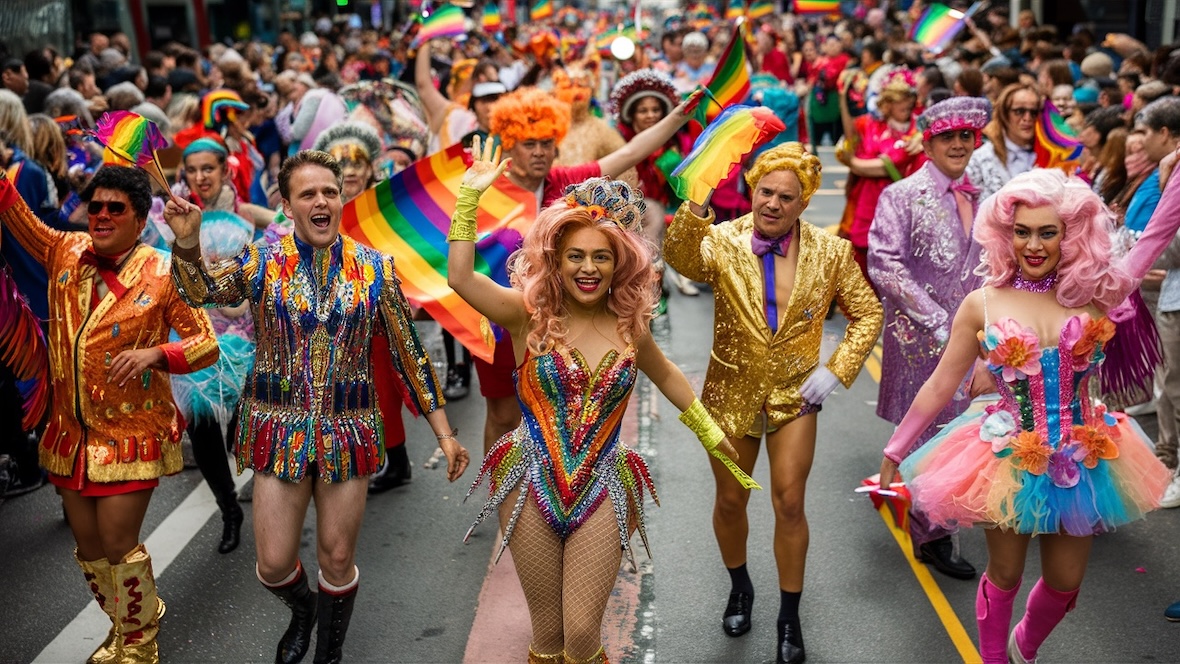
817, 7
1056, 145
129, 138
939, 24
734, 134
446, 21
491, 18
541, 9
731, 79
758, 9
408, 216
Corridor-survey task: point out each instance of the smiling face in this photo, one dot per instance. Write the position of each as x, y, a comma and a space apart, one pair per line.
587, 266
646, 113
357, 175
1036, 240
113, 231
777, 203
205, 174
315, 205
951, 151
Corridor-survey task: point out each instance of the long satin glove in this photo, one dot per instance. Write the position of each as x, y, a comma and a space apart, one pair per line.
902, 441
463, 221
698, 420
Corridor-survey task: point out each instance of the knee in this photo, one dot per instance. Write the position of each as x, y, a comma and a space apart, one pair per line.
273, 570
116, 544
1004, 576
730, 506
336, 564
788, 505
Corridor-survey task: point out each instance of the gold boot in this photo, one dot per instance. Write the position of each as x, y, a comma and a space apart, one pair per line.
137, 609
537, 658
98, 579
597, 658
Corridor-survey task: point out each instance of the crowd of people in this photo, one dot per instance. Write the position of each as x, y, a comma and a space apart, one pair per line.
1020, 308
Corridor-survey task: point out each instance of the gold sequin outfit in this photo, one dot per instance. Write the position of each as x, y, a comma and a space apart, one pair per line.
751, 369
309, 401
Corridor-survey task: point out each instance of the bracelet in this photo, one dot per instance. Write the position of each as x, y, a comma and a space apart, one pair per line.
445, 436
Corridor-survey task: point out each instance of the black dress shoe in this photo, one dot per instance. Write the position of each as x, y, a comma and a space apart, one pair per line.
940, 553
393, 473
790, 644
737, 614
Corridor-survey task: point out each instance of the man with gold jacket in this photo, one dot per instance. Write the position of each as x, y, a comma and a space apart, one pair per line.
774, 278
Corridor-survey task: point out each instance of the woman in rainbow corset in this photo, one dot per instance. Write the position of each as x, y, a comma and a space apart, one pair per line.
569, 493
1047, 459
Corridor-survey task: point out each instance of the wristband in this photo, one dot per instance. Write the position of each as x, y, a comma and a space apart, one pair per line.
698, 420
463, 221
446, 436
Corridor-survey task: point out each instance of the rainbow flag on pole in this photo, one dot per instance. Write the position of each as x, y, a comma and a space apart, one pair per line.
491, 18
734, 134
1057, 144
731, 79
758, 9
446, 21
541, 9
817, 7
407, 217
735, 10
939, 24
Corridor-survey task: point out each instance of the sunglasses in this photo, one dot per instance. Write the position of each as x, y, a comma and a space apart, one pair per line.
116, 208
1024, 112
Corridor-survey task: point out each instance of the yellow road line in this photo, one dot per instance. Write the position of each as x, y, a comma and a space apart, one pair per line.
950, 621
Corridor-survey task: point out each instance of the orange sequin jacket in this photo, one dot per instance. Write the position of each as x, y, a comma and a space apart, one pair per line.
130, 432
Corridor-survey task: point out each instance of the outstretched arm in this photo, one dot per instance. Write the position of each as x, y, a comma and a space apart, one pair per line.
432, 100
503, 306
649, 140
1160, 231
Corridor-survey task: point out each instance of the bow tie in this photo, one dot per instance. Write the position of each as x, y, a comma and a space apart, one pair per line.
966, 188
99, 261
763, 245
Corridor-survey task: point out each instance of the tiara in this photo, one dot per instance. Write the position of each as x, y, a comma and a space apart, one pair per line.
610, 199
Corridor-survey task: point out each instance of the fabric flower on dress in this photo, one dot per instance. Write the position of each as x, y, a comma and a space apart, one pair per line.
997, 429
1014, 349
1095, 443
1095, 333
1030, 453
1063, 466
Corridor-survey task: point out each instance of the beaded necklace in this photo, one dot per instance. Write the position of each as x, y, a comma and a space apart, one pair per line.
1042, 285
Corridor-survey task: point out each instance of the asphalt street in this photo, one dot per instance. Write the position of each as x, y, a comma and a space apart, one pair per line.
420, 585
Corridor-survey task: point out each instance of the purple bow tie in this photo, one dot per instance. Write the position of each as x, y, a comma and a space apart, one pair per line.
966, 188
763, 245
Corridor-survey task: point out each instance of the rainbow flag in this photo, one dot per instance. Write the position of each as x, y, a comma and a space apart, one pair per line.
407, 217
129, 138
731, 79
735, 10
541, 9
491, 18
758, 9
940, 24
1056, 145
816, 7
734, 134
220, 107
446, 21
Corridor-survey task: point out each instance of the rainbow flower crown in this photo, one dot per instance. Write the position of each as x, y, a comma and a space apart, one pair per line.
609, 199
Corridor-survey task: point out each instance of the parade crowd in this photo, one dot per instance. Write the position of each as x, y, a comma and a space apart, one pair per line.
207, 304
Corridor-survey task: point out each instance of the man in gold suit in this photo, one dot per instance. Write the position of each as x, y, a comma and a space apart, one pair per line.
774, 277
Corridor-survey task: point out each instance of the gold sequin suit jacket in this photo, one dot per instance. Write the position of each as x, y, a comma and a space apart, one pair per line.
749, 368
309, 404
130, 432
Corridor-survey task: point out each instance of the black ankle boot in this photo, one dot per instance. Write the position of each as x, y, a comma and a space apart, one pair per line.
231, 519
790, 643
335, 614
393, 473
298, 597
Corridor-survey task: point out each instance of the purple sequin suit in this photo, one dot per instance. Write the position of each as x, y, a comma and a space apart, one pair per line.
922, 263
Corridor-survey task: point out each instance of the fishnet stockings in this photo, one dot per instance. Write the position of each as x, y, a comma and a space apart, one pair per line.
565, 585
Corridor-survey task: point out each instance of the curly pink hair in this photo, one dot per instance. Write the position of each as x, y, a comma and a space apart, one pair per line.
534, 270
1086, 273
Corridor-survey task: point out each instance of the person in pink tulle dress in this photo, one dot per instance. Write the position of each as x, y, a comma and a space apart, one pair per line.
1047, 459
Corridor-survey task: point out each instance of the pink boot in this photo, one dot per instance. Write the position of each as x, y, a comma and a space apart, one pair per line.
993, 612
1046, 607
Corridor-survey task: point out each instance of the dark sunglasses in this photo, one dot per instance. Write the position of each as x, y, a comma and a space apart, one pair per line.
114, 207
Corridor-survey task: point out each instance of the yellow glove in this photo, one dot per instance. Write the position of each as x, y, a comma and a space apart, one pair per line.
698, 420
463, 221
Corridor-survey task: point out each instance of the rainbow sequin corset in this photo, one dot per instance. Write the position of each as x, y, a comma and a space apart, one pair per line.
1046, 419
566, 450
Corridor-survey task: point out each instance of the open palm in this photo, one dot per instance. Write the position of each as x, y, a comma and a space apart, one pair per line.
486, 168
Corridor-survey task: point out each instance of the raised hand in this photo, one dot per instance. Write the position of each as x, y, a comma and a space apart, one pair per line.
487, 167
184, 219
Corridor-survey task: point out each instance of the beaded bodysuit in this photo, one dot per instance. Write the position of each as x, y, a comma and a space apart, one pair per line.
566, 452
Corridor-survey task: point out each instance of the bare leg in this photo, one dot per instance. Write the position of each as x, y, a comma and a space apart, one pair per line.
791, 450
592, 557
106, 527
1006, 552
279, 510
730, 525
537, 555
339, 509
1063, 566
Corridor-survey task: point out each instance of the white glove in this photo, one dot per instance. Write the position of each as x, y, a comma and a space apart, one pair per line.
818, 385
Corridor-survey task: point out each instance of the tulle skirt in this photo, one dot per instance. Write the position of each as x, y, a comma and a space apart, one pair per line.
957, 480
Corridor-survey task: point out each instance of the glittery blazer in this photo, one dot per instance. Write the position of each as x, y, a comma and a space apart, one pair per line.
750, 367
130, 432
309, 403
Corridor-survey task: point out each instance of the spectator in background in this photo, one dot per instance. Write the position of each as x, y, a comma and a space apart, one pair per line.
158, 92
695, 69
123, 96
98, 43
1010, 133
84, 82
969, 83
42, 79
14, 77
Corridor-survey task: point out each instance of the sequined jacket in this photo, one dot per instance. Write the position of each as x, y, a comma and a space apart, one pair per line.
922, 263
130, 432
309, 402
749, 366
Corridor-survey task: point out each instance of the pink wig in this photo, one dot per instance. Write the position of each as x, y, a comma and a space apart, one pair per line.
1086, 273
534, 269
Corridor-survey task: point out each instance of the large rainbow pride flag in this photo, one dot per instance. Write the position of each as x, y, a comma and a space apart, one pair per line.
731, 79
407, 217
939, 24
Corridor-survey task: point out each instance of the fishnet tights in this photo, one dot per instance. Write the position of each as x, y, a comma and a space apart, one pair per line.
566, 585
